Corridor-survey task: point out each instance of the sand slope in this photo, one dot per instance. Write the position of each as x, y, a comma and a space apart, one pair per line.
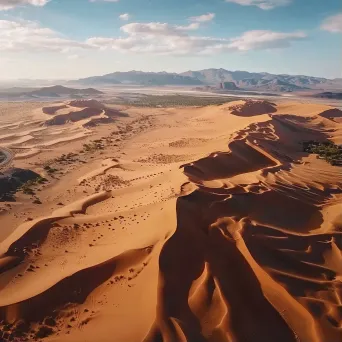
211, 226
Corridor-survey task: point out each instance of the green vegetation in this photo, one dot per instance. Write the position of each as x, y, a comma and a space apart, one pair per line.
326, 150
27, 187
70, 157
172, 100
49, 169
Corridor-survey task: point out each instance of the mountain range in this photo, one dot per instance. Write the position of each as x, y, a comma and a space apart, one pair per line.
53, 91
243, 80
140, 77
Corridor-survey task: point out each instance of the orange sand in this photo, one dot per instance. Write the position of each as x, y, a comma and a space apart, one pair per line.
241, 241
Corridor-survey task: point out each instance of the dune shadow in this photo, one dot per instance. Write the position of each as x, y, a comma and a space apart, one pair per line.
182, 261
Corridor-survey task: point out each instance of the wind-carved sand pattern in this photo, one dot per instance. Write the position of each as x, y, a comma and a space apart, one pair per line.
238, 241
54, 124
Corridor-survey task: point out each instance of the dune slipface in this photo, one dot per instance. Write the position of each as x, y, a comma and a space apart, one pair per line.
241, 242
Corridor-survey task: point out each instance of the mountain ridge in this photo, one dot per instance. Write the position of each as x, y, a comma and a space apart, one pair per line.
244, 80
140, 77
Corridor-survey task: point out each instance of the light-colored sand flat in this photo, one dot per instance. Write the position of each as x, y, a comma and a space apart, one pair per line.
175, 224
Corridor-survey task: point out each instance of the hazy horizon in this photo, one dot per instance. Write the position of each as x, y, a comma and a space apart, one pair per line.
149, 71
60, 39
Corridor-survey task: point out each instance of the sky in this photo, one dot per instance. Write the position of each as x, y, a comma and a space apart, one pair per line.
68, 39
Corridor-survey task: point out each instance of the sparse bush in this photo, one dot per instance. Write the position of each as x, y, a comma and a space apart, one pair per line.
27, 190
325, 150
41, 180
51, 170
93, 146
27, 187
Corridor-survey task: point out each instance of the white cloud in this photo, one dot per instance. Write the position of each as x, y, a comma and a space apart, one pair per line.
158, 38
9, 4
157, 29
263, 4
24, 35
259, 39
153, 37
162, 38
203, 18
333, 23
124, 16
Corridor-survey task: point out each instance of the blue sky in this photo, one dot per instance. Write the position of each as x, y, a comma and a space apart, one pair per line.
77, 38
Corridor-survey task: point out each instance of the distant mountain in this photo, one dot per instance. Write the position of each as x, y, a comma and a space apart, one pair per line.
17, 90
96, 80
269, 85
29, 83
53, 91
263, 81
215, 76
242, 80
141, 78
61, 90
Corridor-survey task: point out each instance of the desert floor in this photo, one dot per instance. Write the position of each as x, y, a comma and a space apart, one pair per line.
172, 224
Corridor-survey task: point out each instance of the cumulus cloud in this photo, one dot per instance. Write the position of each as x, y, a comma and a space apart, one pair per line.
153, 37
263, 39
203, 18
263, 4
333, 24
157, 29
162, 38
124, 16
159, 38
9, 4
30, 36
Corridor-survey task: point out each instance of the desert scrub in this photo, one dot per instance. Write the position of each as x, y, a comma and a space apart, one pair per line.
165, 101
26, 188
328, 151
50, 170
93, 146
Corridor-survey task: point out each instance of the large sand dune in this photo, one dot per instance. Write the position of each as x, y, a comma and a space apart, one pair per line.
195, 224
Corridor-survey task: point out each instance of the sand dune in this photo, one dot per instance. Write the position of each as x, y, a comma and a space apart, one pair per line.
252, 108
333, 114
203, 224
55, 124
73, 116
51, 110
78, 110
